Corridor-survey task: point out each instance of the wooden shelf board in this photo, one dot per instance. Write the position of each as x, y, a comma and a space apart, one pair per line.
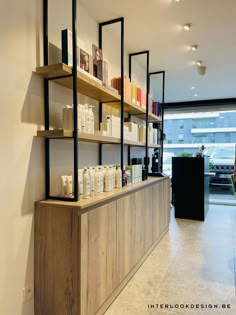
88, 137
54, 134
129, 108
84, 137
86, 85
134, 143
154, 146
91, 88
151, 117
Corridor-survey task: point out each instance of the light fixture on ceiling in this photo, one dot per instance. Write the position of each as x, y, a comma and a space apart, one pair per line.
195, 95
199, 62
193, 87
187, 26
194, 47
201, 70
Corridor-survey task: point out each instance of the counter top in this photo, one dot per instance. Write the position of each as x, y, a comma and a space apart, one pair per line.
93, 202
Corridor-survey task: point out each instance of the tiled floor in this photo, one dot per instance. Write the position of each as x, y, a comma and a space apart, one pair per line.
195, 263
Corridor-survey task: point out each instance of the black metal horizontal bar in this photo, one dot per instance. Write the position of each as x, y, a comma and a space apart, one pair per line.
62, 198
60, 77
156, 72
112, 21
139, 53
211, 102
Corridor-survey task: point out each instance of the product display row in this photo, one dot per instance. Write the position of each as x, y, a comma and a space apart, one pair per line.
135, 94
93, 181
109, 127
96, 68
92, 64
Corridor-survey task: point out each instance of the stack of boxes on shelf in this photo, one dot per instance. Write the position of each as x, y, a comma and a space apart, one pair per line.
134, 94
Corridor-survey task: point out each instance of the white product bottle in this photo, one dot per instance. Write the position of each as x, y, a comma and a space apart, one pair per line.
111, 177
108, 121
118, 177
87, 118
114, 175
69, 186
92, 184
150, 133
64, 186
107, 180
96, 182
86, 184
82, 111
102, 176
80, 183
91, 119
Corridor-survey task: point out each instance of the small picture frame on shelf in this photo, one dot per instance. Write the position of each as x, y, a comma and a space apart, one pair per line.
97, 55
84, 60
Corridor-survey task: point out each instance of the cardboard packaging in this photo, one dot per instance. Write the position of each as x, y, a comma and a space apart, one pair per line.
142, 134
133, 128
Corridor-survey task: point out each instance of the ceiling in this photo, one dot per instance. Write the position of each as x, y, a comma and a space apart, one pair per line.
159, 23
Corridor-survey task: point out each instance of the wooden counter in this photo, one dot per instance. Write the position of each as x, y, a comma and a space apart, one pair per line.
87, 251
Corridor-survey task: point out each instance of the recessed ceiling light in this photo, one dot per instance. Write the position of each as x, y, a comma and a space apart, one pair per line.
176, 0
195, 95
187, 26
193, 87
199, 62
194, 47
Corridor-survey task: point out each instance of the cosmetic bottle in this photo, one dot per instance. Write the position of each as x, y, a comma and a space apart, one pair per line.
86, 184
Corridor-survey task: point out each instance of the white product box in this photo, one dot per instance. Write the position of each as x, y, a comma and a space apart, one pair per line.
133, 128
142, 133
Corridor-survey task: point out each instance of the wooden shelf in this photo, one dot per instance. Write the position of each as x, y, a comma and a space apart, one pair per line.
88, 137
134, 143
83, 137
154, 146
86, 85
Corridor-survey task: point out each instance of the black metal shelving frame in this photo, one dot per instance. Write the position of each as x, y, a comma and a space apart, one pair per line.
144, 52
122, 26
160, 157
75, 137
46, 102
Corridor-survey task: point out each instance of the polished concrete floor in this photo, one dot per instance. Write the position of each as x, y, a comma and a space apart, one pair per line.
194, 264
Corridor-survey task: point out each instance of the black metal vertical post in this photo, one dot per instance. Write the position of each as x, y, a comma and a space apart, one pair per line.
100, 120
100, 103
75, 98
147, 110
162, 117
130, 67
46, 99
122, 99
160, 155
119, 20
147, 94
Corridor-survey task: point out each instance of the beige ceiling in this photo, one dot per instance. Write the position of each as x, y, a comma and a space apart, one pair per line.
159, 24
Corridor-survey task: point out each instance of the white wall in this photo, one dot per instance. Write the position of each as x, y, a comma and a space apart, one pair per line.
22, 154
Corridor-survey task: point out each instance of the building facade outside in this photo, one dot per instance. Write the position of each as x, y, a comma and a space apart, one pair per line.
188, 131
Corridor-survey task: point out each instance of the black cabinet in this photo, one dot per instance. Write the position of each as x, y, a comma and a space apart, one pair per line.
190, 187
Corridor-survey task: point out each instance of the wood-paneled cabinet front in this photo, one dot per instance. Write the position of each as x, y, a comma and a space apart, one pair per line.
82, 261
